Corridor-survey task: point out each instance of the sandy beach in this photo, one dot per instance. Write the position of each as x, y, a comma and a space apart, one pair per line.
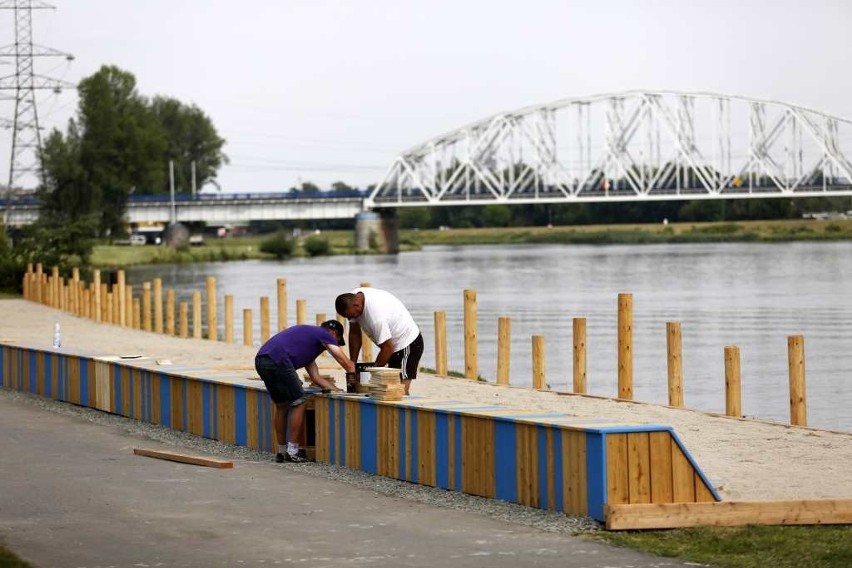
744, 459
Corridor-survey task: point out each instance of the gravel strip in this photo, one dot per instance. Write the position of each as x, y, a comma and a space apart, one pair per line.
547, 521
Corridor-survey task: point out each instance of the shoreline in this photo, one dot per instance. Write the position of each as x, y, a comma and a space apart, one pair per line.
744, 459
342, 241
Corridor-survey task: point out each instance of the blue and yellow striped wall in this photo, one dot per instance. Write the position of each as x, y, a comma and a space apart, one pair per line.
231, 406
550, 461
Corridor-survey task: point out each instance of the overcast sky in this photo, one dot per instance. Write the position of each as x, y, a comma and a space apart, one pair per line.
327, 90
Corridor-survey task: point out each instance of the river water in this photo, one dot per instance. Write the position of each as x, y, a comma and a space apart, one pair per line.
750, 295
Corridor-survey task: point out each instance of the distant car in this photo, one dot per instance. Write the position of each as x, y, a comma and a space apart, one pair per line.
138, 240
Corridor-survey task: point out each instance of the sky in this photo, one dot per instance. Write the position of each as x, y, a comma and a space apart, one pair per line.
334, 90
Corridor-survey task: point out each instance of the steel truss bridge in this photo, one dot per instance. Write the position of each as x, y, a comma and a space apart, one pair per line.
637, 145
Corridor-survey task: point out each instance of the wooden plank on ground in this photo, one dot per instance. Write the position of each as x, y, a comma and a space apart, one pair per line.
183, 458
728, 514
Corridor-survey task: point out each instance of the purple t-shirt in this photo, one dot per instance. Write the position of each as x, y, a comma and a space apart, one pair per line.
299, 344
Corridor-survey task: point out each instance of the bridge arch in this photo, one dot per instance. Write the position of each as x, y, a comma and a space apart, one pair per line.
635, 145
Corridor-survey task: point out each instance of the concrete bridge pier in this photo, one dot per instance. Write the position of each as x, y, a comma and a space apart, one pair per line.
377, 231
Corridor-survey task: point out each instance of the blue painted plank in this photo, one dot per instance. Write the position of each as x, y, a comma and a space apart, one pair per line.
596, 474
241, 432
506, 461
541, 439
369, 438
442, 449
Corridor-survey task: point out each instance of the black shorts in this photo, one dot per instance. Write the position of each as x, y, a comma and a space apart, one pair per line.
281, 380
407, 359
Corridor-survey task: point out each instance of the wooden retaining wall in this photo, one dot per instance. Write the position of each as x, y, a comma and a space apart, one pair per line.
550, 461
222, 405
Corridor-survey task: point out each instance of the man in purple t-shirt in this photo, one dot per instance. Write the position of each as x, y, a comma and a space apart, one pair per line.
276, 363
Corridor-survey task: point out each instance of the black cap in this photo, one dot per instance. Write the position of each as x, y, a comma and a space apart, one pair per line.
336, 326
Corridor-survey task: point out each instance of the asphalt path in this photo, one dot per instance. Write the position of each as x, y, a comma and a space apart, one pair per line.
73, 494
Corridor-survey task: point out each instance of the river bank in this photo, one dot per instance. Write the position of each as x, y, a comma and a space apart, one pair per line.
744, 459
343, 242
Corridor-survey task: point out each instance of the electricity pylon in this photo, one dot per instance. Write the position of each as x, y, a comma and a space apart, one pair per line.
26, 136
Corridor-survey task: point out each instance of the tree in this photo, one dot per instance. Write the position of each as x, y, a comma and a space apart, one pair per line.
190, 138
120, 143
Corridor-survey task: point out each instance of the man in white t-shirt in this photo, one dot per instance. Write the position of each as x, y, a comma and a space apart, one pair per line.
387, 322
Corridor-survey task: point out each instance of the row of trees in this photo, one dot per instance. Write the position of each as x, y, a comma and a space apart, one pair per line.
119, 143
498, 215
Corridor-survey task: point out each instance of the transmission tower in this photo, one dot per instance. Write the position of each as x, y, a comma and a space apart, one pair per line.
26, 136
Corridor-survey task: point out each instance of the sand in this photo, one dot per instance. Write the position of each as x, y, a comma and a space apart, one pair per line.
744, 459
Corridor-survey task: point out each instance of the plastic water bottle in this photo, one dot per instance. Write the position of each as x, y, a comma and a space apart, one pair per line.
57, 337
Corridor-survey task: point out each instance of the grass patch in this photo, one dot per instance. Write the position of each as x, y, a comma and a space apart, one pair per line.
746, 547
9, 559
742, 231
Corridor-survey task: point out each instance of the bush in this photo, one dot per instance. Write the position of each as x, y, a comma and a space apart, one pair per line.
279, 245
316, 246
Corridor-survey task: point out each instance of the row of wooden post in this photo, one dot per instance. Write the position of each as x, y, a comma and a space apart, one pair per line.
117, 305
733, 399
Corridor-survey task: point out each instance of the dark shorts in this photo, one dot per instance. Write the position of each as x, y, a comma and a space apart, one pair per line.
281, 380
407, 359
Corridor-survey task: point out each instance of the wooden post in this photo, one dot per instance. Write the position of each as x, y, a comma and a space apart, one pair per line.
796, 363
282, 304
109, 305
247, 328
158, 305
579, 329
441, 343
128, 307
212, 324
538, 362
137, 314
301, 312
96, 288
229, 318
122, 304
366, 342
75, 291
320, 318
54, 275
733, 391
674, 349
470, 367
264, 318
170, 311
196, 315
183, 320
146, 306
106, 304
116, 298
625, 346
504, 347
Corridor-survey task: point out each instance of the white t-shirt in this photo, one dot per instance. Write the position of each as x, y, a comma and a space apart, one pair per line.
385, 317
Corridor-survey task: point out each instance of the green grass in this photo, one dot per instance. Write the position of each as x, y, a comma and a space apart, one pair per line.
342, 242
9, 559
232, 248
743, 231
746, 547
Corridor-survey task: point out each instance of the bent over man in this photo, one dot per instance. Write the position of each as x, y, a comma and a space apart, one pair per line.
388, 323
276, 363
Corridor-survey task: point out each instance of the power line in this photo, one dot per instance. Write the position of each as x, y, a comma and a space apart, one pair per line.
26, 135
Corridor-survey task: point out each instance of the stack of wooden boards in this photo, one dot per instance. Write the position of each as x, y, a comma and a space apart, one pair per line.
385, 384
